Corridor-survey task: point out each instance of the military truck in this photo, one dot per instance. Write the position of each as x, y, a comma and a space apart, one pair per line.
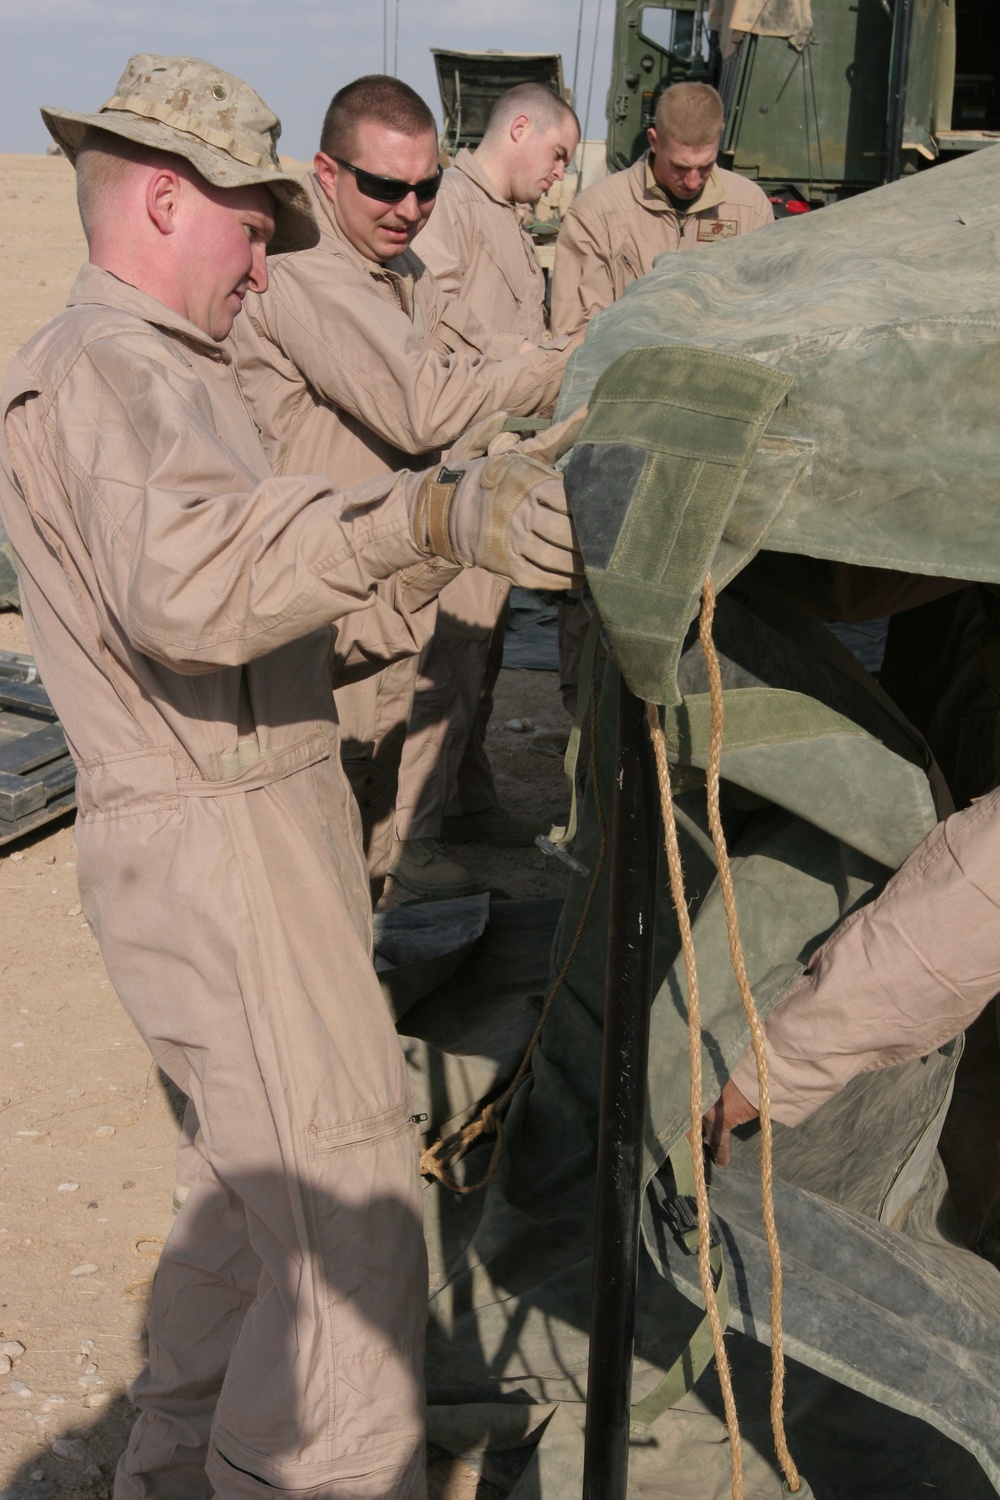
824, 98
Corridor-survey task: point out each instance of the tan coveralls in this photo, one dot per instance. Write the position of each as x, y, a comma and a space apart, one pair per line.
179, 600
610, 237
478, 250
352, 368
896, 980
616, 229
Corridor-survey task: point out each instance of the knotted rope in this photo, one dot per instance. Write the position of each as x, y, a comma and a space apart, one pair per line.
793, 1479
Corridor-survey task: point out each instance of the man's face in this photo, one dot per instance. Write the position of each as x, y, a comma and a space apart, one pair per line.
681, 170
542, 158
229, 229
380, 230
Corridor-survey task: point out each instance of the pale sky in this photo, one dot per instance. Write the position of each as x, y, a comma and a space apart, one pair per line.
296, 54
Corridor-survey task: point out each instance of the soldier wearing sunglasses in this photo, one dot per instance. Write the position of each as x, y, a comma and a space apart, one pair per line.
477, 247
356, 364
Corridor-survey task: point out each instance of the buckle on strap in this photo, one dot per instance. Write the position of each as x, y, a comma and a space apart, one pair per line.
681, 1214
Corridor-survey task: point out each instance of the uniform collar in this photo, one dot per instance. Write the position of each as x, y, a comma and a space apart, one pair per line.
95, 287
653, 196
466, 162
332, 237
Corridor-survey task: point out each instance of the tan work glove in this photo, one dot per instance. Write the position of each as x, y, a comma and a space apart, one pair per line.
506, 513
483, 437
487, 437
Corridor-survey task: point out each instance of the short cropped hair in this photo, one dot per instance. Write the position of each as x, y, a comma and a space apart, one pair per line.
103, 161
543, 106
375, 99
691, 114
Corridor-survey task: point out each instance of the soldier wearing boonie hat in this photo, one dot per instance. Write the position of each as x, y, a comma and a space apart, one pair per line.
179, 598
212, 119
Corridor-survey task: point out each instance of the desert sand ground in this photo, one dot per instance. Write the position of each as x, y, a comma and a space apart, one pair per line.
87, 1129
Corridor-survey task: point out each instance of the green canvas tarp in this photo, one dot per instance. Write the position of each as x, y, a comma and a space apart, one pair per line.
881, 315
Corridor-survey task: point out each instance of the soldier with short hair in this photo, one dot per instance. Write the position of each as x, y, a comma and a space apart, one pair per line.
355, 363
475, 242
179, 598
674, 197
479, 250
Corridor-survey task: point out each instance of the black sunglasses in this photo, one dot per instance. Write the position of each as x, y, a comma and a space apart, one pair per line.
392, 189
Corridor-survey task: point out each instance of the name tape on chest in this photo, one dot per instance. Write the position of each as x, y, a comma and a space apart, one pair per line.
717, 229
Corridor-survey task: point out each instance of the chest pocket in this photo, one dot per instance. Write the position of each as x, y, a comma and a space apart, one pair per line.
628, 268
487, 248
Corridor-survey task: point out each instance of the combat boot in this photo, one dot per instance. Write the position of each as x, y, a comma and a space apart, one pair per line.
422, 866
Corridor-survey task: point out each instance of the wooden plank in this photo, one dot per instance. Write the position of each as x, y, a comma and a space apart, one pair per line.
47, 814
19, 796
26, 697
36, 748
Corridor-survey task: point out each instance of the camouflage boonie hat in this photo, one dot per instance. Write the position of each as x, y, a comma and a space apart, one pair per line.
213, 120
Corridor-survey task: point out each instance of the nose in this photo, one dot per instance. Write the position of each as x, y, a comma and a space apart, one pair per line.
409, 209
559, 171
258, 268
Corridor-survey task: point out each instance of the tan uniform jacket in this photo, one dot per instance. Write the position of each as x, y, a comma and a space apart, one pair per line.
897, 978
353, 368
478, 249
616, 229
179, 600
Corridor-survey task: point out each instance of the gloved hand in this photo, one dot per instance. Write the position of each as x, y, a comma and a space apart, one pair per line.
484, 437
487, 437
506, 513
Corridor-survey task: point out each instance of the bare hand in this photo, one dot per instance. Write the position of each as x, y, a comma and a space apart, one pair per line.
730, 1110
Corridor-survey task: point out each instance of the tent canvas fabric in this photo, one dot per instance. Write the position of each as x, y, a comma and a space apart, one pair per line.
785, 18
880, 449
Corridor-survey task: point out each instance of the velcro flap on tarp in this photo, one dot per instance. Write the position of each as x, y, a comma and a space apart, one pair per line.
651, 481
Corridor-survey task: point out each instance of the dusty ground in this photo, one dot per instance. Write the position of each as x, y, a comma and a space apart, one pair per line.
86, 1127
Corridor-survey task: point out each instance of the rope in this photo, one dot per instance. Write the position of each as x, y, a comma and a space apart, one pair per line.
756, 1035
436, 1160
794, 1482
694, 1057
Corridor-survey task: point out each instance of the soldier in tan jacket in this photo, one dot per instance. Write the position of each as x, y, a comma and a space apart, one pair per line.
478, 249
475, 242
179, 597
897, 979
675, 197
355, 363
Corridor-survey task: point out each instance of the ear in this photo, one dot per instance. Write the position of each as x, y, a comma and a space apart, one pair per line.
327, 171
163, 194
651, 138
520, 127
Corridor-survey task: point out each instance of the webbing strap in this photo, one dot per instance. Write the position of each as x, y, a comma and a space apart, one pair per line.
695, 1358
526, 424
559, 837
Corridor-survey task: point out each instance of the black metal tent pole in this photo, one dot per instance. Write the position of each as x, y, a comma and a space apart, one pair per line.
899, 69
628, 993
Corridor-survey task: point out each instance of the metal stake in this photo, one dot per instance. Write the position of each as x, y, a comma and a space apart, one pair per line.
628, 990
